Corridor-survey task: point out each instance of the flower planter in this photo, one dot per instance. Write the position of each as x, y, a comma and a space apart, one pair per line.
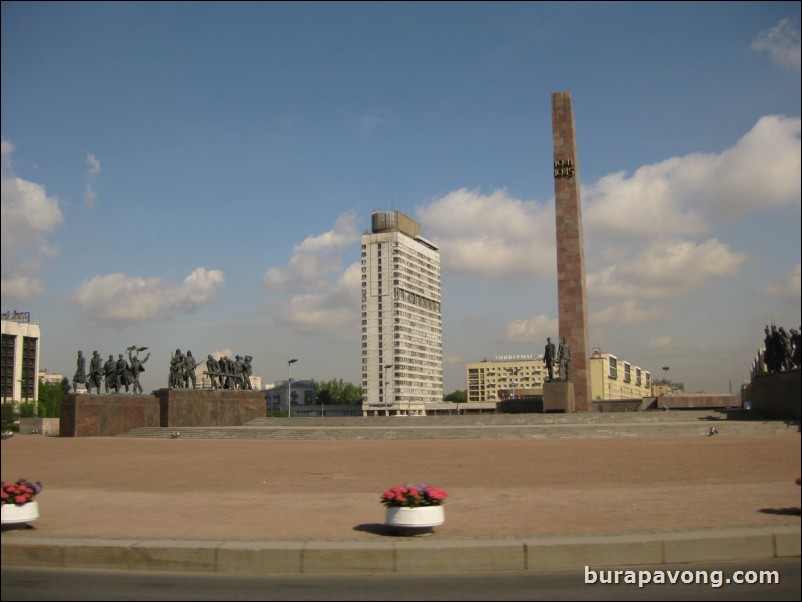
414, 521
11, 513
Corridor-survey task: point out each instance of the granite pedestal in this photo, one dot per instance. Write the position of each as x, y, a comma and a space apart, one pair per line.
558, 396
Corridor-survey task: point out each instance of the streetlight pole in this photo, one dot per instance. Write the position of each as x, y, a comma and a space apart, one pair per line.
386, 410
289, 387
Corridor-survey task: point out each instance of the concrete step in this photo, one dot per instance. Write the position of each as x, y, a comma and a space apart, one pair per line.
466, 428
519, 419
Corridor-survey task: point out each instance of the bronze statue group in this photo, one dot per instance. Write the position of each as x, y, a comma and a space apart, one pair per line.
223, 373
114, 375
781, 351
561, 357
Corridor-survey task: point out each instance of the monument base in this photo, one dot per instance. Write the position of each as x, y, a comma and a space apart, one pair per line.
528, 405
85, 415
196, 407
558, 396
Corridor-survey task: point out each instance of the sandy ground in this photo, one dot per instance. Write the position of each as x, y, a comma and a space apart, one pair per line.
287, 490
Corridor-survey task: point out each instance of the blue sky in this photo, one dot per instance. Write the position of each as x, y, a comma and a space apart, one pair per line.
198, 175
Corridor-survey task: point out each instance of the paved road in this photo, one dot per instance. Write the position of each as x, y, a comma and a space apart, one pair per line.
63, 584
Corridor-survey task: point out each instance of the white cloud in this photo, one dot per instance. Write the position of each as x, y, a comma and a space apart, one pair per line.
336, 309
661, 343
368, 124
29, 215
530, 330
491, 236
94, 169
314, 258
683, 196
628, 312
322, 296
119, 300
787, 287
781, 42
453, 360
666, 269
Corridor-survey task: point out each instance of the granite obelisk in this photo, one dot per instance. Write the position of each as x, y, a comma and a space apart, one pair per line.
572, 305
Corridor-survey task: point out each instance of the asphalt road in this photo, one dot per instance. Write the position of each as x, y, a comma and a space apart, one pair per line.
63, 584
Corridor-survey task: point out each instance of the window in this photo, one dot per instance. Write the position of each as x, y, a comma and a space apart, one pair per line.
613, 362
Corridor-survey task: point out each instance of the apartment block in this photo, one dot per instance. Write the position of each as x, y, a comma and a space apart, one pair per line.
19, 358
402, 337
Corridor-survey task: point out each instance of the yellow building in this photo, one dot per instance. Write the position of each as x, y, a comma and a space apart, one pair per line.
612, 378
506, 376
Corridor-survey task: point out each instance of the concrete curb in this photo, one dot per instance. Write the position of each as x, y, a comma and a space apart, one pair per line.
404, 555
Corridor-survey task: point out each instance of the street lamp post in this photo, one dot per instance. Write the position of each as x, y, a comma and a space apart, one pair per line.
386, 410
289, 387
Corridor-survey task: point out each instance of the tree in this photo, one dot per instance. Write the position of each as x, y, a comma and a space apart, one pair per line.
50, 398
337, 392
9, 416
457, 397
27, 409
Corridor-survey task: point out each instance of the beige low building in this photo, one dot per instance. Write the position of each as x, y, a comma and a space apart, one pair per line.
512, 376
506, 376
612, 378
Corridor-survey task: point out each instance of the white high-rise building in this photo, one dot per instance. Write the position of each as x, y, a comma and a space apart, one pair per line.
19, 358
402, 335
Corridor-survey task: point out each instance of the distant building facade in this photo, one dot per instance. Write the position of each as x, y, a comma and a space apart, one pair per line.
506, 376
302, 392
402, 340
521, 376
19, 358
612, 378
50, 379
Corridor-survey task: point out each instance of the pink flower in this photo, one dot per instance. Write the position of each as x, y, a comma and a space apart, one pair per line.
437, 494
412, 496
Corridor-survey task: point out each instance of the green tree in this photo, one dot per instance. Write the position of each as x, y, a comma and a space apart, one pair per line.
50, 398
27, 409
457, 397
337, 392
9, 416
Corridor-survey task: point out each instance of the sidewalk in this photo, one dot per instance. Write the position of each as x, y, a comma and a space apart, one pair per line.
312, 506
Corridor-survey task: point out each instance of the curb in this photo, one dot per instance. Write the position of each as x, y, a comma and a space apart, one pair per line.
404, 555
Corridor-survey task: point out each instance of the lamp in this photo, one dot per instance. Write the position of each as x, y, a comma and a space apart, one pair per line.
289, 387
386, 411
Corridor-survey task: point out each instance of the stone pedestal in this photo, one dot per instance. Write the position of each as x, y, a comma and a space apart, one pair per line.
85, 415
558, 396
196, 407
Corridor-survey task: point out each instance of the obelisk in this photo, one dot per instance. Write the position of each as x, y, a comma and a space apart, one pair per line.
572, 304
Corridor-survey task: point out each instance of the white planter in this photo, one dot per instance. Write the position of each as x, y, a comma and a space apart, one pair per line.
423, 517
11, 513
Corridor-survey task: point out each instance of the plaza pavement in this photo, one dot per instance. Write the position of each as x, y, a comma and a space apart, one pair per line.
244, 506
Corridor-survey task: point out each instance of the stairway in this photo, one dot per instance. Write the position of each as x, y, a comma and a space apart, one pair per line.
691, 423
